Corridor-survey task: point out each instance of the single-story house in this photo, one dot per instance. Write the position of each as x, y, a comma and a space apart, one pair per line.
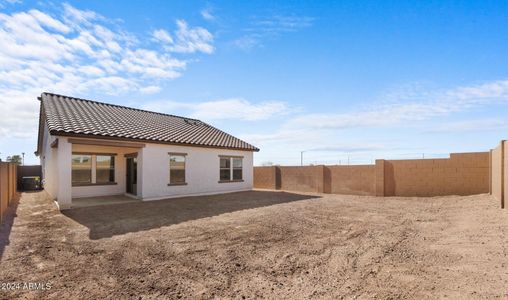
90, 149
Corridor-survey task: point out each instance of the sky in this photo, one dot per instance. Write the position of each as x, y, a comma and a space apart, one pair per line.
341, 81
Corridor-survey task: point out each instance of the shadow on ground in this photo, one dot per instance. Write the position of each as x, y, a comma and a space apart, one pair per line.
7, 222
110, 220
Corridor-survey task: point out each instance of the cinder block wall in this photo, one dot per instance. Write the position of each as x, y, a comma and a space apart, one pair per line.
461, 174
303, 179
352, 180
265, 178
7, 186
499, 172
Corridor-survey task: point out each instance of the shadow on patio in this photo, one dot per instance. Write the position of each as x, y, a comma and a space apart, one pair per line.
110, 220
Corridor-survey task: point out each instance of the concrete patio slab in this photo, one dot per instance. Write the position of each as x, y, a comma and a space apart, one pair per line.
102, 200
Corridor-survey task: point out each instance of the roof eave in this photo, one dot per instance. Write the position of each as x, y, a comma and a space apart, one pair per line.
93, 136
40, 132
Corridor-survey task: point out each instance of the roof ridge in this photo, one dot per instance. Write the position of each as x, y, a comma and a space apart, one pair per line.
126, 107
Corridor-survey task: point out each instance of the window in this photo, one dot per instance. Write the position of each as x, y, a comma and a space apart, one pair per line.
177, 168
225, 168
91, 169
231, 169
105, 169
237, 168
81, 169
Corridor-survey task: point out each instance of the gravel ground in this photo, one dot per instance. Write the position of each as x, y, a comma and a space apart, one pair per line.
260, 244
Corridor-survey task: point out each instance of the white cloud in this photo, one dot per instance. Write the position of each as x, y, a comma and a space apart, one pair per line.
162, 35
327, 135
186, 40
240, 109
12, 2
470, 125
247, 42
76, 16
438, 103
228, 109
207, 14
152, 89
262, 28
76, 52
281, 23
48, 21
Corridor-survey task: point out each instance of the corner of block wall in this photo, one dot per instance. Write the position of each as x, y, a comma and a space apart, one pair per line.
380, 177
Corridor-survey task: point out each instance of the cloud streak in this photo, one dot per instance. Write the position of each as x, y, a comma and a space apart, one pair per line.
226, 109
403, 110
263, 28
470, 126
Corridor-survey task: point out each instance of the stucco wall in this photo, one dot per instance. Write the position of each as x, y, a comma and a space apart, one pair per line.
48, 159
353, 180
120, 172
202, 171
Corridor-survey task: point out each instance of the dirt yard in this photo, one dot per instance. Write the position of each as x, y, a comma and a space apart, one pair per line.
260, 245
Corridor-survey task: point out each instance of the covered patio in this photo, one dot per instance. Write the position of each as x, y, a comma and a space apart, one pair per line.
93, 172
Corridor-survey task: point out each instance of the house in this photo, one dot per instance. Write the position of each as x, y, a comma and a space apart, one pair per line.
90, 149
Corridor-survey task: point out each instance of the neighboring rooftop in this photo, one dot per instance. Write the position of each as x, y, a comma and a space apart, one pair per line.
69, 116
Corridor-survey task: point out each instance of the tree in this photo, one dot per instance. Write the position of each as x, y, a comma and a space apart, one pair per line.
14, 159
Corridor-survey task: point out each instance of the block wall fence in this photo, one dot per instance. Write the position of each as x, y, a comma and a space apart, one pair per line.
8, 187
499, 172
461, 174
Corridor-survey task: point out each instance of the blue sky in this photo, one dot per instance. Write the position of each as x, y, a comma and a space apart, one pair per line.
353, 80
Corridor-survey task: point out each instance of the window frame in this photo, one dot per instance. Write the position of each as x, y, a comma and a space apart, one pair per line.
228, 168
93, 170
184, 155
231, 168
112, 167
82, 183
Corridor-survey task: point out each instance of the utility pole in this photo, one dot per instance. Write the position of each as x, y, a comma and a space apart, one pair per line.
23, 161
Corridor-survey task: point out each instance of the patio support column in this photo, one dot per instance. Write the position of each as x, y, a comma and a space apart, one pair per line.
141, 175
64, 169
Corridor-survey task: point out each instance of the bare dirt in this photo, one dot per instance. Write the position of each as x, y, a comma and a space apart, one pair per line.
260, 245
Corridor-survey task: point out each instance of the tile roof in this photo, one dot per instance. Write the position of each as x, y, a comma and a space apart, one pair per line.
73, 116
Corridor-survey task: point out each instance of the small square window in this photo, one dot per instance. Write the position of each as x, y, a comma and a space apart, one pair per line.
231, 169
